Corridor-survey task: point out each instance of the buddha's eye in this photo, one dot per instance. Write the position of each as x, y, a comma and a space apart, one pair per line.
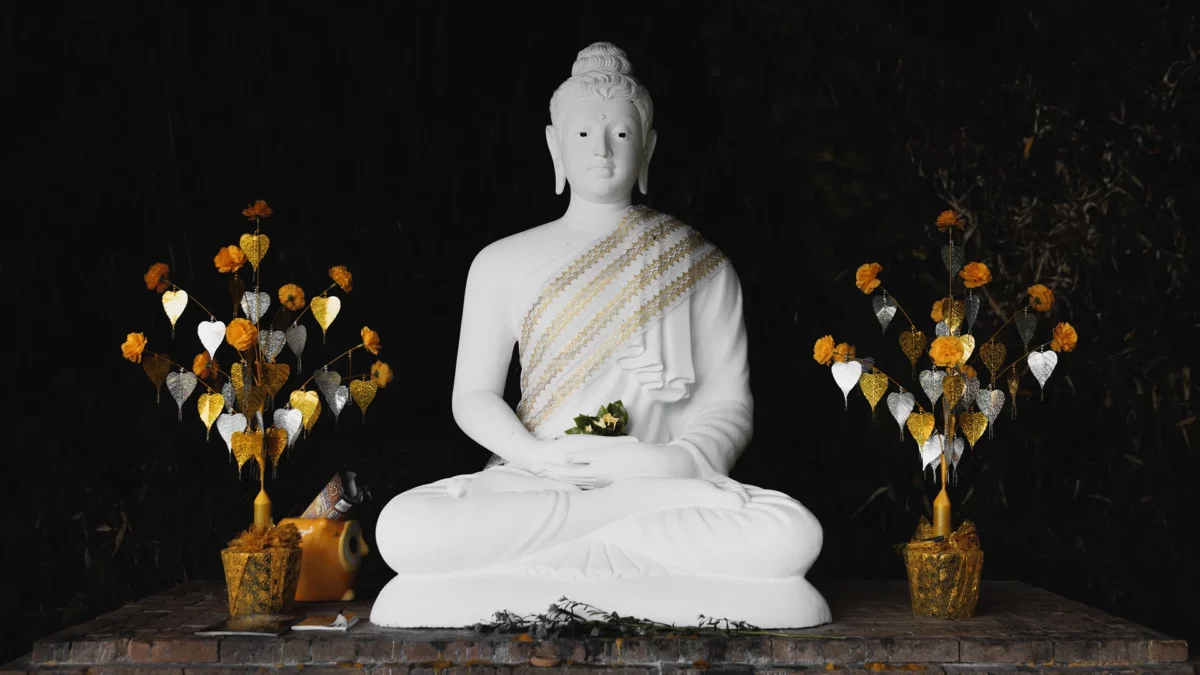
622, 134
583, 134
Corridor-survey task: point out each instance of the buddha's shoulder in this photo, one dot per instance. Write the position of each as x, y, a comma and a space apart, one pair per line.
517, 248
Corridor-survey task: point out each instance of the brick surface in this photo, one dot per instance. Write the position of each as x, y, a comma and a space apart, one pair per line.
1018, 629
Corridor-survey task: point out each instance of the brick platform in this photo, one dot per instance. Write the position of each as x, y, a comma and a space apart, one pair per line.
1018, 629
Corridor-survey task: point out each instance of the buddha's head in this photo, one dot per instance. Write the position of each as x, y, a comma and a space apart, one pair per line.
600, 135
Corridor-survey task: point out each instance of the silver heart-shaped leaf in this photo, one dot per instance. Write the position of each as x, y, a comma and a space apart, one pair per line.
953, 260
181, 386
255, 305
1026, 323
212, 334
885, 309
970, 392
327, 382
228, 424
990, 402
271, 342
341, 396
956, 451
297, 336
290, 420
1041, 364
227, 392
941, 329
900, 404
931, 384
931, 452
846, 374
972, 311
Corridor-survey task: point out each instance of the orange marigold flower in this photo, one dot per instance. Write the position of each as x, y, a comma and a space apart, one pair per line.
203, 366
968, 371
229, 259
936, 312
975, 275
381, 374
370, 340
258, 210
155, 277
241, 334
292, 297
1041, 298
134, 345
1065, 338
342, 276
843, 352
946, 351
865, 279
949, 219
823, 350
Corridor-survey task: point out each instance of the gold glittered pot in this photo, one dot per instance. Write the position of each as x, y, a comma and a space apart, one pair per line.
262, 582
943, 575
333, 552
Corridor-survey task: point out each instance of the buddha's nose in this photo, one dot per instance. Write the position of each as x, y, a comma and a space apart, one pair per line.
600, 146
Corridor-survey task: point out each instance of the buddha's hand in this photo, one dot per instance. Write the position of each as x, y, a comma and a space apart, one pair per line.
598, 467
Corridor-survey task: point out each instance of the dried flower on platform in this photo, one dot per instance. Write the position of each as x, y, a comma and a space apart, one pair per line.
865, 277
155, 277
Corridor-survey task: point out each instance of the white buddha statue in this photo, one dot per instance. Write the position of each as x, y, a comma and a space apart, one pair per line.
609, 302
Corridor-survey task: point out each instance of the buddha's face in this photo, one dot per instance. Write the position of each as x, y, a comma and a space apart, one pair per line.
600, 147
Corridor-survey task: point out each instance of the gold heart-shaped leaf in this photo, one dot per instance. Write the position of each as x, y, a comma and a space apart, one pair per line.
247, 445
275, 375
254, 246
274, 443
953, 313
309, 405
993, 354
874, 385
973, 425
953, 386
250, 401
174, 303
325, 309
912, 343
210, 406
968, 345
920, 425
363, 392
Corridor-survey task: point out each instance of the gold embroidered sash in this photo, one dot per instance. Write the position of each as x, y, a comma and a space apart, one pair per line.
601, 300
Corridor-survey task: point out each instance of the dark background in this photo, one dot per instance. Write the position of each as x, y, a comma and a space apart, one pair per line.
803, 138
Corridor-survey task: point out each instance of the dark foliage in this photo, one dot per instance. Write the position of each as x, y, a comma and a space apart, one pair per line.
804, 138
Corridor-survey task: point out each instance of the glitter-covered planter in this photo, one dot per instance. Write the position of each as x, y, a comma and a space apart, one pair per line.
943, 576
263, 582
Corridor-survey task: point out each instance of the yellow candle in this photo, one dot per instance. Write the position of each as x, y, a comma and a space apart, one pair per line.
262, 508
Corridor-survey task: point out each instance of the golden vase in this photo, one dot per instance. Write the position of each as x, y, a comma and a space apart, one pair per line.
262, 569
943, 575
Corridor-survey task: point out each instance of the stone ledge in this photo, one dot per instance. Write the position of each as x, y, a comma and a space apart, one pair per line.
1018, 629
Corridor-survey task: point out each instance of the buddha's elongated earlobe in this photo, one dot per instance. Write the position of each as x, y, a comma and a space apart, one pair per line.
644, 173
560, 176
